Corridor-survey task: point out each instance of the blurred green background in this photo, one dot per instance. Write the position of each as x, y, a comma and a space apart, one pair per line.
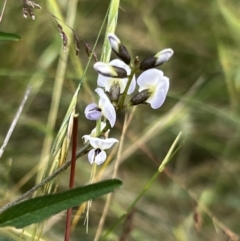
203, 103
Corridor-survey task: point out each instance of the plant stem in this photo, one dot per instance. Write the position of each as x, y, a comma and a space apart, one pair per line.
121, 103
72, 174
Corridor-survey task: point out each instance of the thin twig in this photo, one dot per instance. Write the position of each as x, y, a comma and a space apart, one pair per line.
46, 180
4, 5
15, 120
72, 174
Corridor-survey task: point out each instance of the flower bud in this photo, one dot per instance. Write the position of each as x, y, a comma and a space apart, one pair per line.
114, 92
119, 49
140, 98
109, 70
156, 60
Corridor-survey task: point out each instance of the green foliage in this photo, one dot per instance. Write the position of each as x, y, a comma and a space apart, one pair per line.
9, 37
37, 209
203, 103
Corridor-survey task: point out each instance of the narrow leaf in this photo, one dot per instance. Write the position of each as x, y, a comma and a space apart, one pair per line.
37, 209
111, 26
9, 36
168, 156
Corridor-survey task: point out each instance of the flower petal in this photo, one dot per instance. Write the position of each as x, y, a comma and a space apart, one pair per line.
114, 42
107, 82
101, 94
149, 78
110, 70
106, 106
109, 112
119, 49
94, 141
157, 101
91, 156
163, 56
159, 95
157, 84
85, 138
121, 64
100, 157
92, 112
105, 70
156, 60
107, 143
98, 143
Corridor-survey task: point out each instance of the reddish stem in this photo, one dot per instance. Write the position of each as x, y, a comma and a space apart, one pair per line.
72, 175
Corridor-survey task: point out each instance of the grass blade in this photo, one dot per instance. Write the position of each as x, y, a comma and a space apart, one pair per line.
9, 37
111, 26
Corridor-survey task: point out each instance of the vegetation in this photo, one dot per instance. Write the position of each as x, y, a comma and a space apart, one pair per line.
195, 196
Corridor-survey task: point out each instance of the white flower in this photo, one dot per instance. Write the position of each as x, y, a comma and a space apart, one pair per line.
107, 82
157, 85
97, 154
106, 107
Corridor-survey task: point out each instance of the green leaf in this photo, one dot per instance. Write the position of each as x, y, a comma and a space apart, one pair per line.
37, 209
9, 36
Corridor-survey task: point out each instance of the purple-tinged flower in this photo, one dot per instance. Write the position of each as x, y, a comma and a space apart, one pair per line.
108, 82
97, 154
155, 85
104, 107
93, 112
